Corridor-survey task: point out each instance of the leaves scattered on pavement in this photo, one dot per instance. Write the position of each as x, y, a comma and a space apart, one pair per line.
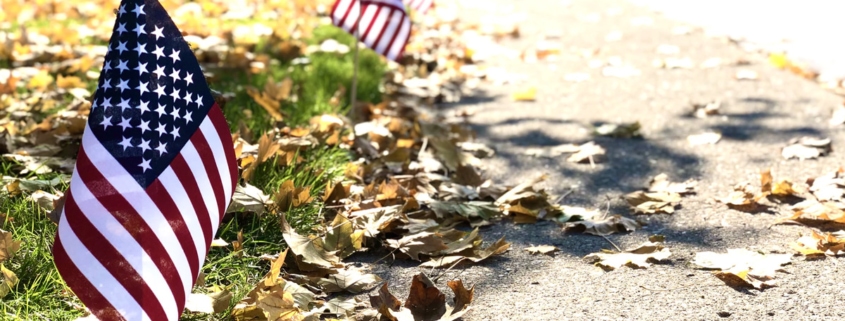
743, 268
639, 257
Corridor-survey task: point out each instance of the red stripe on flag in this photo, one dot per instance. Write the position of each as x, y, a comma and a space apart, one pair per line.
132, 221
96, 302
395, 34
207, 158
381, 34
222, 127
342, 21
159, 196
370, 26
186, 178
111, 258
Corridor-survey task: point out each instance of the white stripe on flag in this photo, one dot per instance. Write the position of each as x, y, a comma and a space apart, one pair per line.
192, 157
365, 20
126, 185
101, 278
215, 144
401, 39
177, 192
393, 25
378, 25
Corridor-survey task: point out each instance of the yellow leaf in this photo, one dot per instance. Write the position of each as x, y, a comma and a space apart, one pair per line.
69, 82
528, 94
40, 81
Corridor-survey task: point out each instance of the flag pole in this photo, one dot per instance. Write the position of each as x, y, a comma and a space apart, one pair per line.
354, 89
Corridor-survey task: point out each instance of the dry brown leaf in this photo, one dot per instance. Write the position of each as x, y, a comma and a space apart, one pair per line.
588, 153
341, 237
652, 203
743, 268
661, 183
425, 301
289, 196
426, 243
806, 148
305, 247
818, 246
604, 226
214, 302
639, 257
350, 279
541, 249
248, 198
463, 297
744, 199
8, 246
479, 255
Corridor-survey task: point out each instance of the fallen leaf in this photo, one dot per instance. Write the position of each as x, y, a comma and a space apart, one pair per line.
208, 303
707, 109
8, 246
463, 297
639, 257
499, 247
652, 203
588, 153
44, 199
745, 74
818, 246
416, 244
624, 130
806, 148
541, 249
527, 94
248, 198
305, 247
743, 198
743, 268
604, 226
661, 183
708, 138
351, 280
425, 301
830, 186
9, 280
342, 238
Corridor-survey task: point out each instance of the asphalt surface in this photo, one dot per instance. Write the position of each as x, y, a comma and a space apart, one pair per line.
759, 117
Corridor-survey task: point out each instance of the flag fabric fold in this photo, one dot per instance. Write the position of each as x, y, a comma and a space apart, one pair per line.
383, 25
154, 175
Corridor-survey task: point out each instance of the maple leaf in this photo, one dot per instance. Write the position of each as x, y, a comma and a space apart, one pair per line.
421, 243
375, 220
744, 199
661, 183
248, 198
743, 268
604, 226
651, 203
477, 255
425, 301
341, 237
463, 297
639, 257
818, 246
541, 249
305, 247
289, 196
350, 279
806, 148
8, 246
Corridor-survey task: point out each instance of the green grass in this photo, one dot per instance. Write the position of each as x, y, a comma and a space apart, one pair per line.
42, 295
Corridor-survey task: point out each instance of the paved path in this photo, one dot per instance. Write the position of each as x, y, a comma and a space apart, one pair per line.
760, 117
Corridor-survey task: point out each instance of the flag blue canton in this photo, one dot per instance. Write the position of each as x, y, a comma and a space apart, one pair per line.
152, 95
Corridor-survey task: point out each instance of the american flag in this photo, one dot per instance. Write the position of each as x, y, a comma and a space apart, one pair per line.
154, 175
421, 6
383, 26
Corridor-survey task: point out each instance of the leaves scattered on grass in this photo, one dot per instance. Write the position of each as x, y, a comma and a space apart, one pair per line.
743, 268
641, 256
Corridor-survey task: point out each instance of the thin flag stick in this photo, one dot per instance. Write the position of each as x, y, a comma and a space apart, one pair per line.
354, 88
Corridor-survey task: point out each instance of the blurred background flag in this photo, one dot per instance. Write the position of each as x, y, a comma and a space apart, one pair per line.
154, 175
421, 6
383, 25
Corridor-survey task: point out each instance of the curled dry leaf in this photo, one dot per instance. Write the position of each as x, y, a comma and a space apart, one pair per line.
708, 138
623, 130
818, 246
248, 198
477, 255
605, 226
425, 301
707, 109
588, 153
744, 199
652, 203
541, 249
806, 148
8, 246
639, 257
351, 280
306, 247
463, 297
743, 268
661, 183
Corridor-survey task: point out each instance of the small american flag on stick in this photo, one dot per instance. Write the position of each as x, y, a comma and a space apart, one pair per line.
420, 6
154, 175
383, 25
